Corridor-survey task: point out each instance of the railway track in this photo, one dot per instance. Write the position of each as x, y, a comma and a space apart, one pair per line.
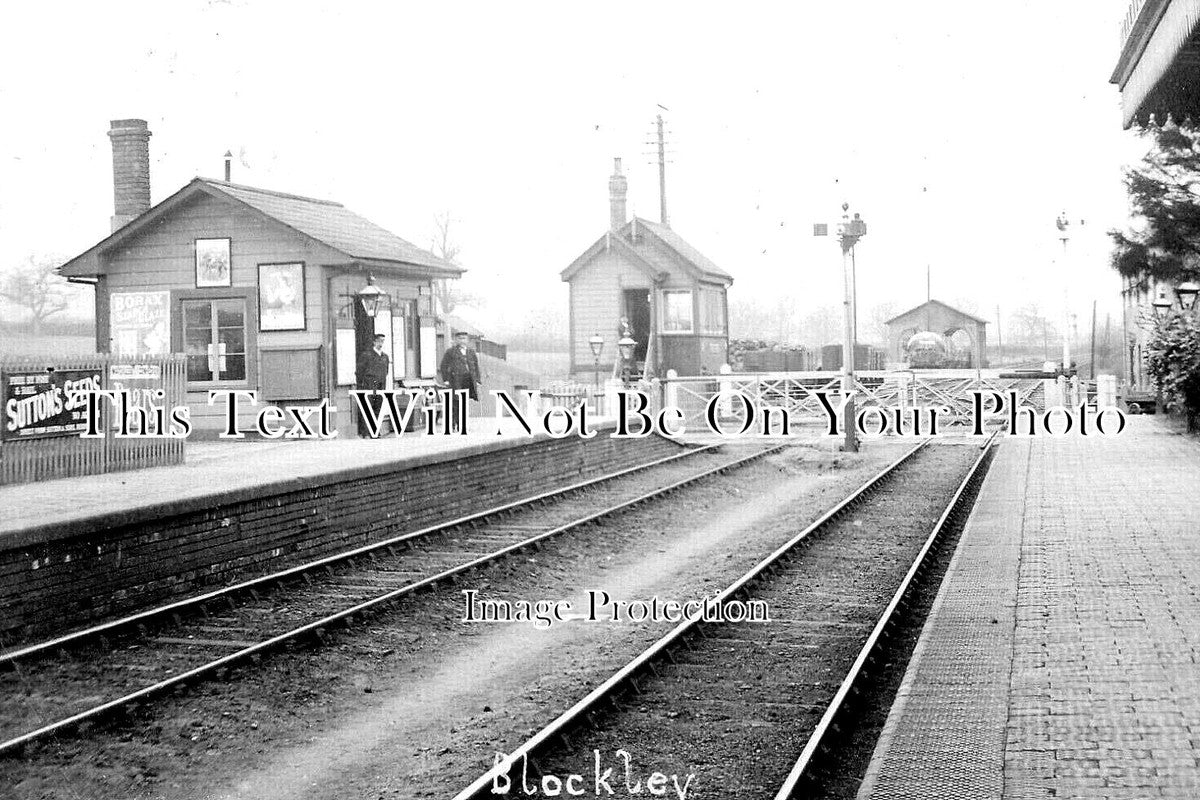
750, 709
57, 685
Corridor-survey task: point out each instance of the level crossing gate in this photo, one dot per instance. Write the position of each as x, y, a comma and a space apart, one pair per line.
797, 393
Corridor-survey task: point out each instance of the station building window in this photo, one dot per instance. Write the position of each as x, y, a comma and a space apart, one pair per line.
214, 339
677, 312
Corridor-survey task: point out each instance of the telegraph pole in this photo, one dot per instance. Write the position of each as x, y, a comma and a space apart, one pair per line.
662, 173
1093, 370
999, 339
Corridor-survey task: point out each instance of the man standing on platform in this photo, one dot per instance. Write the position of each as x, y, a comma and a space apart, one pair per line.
460, 369
371, 373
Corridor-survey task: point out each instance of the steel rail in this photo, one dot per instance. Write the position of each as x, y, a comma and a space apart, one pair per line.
142, 617
345, 616
800, 770
565, 721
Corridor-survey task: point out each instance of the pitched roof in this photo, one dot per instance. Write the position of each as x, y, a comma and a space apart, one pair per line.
649, 259
611, 241
938, 303
677, 243
333, 224
327, 222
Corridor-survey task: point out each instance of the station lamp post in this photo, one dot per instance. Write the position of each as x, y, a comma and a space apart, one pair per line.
371, 297
597, 345
1162, 306
625, 346
1187, 292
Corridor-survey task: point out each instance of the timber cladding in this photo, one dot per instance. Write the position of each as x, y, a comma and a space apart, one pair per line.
51, 582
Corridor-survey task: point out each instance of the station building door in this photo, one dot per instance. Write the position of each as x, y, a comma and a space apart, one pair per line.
635, 304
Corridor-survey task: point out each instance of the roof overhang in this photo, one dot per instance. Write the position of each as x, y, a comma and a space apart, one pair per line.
403, 269
611, 242
89, 263
697, 271
1158, 71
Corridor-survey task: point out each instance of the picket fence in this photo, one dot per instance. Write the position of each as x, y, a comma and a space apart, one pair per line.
25, 460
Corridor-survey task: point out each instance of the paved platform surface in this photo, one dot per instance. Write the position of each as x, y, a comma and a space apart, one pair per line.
221, 466
1062, 655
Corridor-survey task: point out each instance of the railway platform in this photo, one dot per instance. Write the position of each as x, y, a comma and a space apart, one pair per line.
221, 467
77, 551
1061, 657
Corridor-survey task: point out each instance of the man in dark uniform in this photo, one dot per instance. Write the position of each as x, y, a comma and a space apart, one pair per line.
371, 373
460, 369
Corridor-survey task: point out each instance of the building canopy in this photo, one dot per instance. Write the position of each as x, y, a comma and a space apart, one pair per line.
1158, 71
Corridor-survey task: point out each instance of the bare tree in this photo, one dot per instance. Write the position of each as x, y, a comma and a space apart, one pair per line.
36, 285
876, 330
821, 326
749, 320
447, 291
1029, 326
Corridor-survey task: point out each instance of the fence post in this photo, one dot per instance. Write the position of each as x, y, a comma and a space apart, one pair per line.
671, 395
611, 387
725, 390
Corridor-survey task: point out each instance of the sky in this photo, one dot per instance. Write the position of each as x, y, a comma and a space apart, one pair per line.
959, 130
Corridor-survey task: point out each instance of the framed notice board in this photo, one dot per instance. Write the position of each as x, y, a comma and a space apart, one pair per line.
290, 373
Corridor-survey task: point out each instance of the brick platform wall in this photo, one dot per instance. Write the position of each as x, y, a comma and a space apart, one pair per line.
50, 582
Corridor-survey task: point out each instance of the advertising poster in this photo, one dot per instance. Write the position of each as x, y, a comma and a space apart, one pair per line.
39, 405
140, 323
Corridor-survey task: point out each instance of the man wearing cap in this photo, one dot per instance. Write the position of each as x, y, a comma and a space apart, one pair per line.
460, 369
371, 373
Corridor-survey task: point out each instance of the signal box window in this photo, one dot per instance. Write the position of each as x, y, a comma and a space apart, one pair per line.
677, 312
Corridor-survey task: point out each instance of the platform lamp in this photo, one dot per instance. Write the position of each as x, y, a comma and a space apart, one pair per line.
371, 297
1162, 306
626, 345
597, 345
1186, 292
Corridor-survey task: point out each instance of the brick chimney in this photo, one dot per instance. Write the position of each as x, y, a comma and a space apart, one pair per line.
618, 187
131, 169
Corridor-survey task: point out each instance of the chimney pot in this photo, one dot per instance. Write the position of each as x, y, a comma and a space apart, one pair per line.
228, 165
131, 169
618, 187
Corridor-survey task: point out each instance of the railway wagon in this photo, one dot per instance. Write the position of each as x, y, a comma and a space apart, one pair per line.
866, 357
766, 357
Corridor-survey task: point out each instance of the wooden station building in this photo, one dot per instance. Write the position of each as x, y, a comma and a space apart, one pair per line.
673, 296
261, 290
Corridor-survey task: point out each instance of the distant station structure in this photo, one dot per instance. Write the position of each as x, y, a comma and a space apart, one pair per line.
936, 335
672, 295
261, 290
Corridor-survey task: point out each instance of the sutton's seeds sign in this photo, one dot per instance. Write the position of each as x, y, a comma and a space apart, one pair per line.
43, 404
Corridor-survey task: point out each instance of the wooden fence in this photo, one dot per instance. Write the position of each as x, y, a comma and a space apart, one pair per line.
65, 453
